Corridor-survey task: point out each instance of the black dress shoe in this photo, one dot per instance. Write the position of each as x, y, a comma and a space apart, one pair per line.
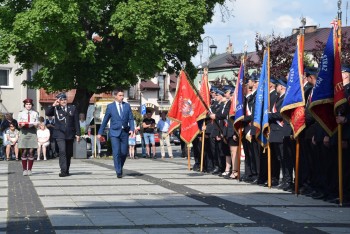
248, 179
288, 187
62, 174
261, 182
215, 171
318, 195
119, 175
281, 185
195, 167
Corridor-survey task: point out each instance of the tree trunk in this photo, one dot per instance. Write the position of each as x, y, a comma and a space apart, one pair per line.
82, 100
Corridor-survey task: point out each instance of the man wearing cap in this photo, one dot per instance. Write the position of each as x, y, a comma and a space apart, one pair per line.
219, 165
121, 126
305, 137
28, 119
65, 131
280, 141
250, 144
273, 92
344, 120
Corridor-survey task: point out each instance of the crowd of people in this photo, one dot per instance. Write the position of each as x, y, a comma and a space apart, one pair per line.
318, 167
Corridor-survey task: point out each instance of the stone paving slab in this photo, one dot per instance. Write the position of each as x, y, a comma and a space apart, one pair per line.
311, 214
160, 196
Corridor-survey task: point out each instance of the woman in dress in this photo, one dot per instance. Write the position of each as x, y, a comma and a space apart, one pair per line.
43, 134
132, 143
28, 120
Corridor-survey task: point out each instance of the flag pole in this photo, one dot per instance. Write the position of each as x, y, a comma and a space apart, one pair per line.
297, 149
189, 156
202, 151
297, 144
269, 177
340, 130
239, 153
340, 164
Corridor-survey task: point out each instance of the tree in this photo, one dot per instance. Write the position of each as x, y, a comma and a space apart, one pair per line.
345, 49
139, 38
281, 53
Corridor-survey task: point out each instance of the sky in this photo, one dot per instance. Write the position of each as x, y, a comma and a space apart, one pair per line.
265, 16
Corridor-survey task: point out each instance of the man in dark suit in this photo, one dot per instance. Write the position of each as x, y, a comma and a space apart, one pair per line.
65, 131
121, 125
280, 142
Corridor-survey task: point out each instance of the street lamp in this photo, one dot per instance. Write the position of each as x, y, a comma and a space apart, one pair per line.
161, 81
211, 47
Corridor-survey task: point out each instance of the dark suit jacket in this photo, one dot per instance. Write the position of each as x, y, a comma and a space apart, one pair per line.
347, 92
273, 98
248, 119
221, 114
118, 123
210, 124
66, 123
277, 132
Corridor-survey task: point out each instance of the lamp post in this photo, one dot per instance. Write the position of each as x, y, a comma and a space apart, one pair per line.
161, 81
211, 48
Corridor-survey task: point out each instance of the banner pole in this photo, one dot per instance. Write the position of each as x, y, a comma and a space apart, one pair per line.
202, 151
297, 149
239, 154
188, 157
340, 165
269, 165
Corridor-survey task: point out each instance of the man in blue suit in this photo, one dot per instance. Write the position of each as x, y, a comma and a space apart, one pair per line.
121, 125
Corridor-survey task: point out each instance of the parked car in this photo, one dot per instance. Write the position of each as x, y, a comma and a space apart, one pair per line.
156, 138
176, 136
138, 139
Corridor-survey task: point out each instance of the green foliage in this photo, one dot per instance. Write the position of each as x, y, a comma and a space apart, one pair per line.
140, 38
281, 53
137, 117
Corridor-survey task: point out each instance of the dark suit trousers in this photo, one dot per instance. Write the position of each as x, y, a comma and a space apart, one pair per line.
120, 149
247, 160
254, 152
65, 153
288, 159
276, 155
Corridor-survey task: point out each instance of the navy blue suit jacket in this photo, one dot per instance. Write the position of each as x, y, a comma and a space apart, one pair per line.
118, 123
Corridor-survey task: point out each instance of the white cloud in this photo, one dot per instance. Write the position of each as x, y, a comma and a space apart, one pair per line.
265, 17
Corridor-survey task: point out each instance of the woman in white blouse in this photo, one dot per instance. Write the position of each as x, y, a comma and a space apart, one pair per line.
43, 135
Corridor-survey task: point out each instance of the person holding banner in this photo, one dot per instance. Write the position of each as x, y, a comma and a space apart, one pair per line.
215, 105
280, 132
216, 115
222, 117
343, 119
250, 144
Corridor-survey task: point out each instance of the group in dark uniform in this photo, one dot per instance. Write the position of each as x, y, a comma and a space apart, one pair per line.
318, 166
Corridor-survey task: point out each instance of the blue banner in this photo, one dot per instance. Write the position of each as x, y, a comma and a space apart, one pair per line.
261, 118
322, 100
239, 114
293, 104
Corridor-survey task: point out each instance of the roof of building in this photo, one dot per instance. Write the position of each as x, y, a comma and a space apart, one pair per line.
312, 36
147, 84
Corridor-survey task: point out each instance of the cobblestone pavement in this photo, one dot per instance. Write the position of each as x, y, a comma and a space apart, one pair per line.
154, 196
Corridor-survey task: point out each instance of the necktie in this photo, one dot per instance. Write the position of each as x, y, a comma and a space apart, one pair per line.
28, 117
120, 110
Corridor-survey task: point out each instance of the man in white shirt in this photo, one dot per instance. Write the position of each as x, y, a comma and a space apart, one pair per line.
163, 128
